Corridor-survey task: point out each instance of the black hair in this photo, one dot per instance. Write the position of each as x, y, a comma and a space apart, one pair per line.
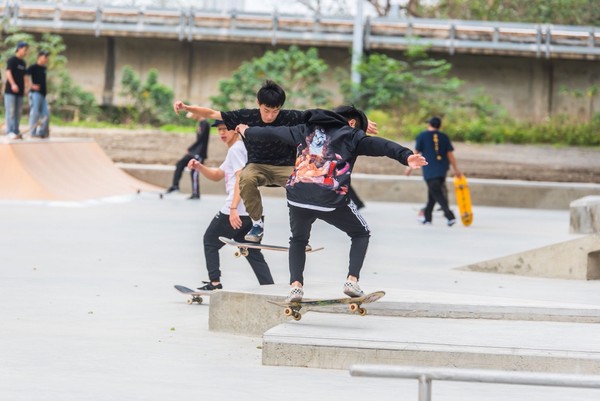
271, 94
351, 112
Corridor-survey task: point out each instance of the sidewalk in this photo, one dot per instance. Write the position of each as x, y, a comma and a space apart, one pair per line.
89, 311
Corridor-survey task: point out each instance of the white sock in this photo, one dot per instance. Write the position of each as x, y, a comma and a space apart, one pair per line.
258, 223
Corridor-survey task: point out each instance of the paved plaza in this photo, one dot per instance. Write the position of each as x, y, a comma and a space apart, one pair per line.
88, 310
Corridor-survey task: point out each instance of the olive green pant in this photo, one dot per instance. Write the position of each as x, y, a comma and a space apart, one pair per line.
257, 175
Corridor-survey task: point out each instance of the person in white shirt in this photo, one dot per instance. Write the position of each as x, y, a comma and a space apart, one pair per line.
232, 221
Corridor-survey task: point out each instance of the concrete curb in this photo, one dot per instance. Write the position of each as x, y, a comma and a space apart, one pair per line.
398, 188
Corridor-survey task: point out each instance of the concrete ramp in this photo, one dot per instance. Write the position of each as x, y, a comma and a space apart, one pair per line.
62, 170
576, 259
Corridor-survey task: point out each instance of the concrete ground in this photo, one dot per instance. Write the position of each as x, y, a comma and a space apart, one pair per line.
88, 310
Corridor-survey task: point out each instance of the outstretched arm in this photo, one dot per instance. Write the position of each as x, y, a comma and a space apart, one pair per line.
375, 146
289, 135
212, 173
196, 110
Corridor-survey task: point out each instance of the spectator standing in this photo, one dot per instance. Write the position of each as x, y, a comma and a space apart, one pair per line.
39, 117
198, 151
14, 90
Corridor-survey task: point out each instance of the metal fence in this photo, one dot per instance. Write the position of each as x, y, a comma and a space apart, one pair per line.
426, 375
452, 36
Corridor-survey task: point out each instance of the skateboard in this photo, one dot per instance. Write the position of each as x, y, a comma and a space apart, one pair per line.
354, 304
193, 295
244, 246
463, 200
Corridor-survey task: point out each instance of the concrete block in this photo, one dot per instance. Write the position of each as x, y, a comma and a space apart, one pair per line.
244, 313
576, 259
585, 215
337, 342
250, 314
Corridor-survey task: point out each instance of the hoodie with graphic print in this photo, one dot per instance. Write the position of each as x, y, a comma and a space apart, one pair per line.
327, 148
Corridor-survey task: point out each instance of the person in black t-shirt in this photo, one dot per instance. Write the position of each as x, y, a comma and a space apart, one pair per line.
198, 150
14, 90
270, 162
39, 118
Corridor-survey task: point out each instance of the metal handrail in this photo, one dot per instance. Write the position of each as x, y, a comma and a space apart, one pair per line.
425, 376
540, 40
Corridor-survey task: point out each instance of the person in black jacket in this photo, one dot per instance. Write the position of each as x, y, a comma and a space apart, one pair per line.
198, 150
328, 144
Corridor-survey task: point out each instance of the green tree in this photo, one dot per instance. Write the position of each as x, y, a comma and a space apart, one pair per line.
151, 100
409, 85
299, 73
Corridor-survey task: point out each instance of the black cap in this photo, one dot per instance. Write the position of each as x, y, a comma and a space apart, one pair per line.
217, 123
435, 122
21, 44
43, 53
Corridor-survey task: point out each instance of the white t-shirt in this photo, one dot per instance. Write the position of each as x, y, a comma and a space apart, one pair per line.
234, 161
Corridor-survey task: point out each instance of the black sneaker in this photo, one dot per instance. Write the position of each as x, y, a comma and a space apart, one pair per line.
255, 234
208, 286
172, 188
194, 196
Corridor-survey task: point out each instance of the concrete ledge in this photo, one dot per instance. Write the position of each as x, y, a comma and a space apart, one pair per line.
249, 313
576, 259
585, 215
398, 188
337, 342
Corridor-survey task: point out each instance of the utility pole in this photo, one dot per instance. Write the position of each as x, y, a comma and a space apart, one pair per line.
357, 40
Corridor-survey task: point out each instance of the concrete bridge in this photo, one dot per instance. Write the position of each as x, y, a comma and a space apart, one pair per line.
520, 66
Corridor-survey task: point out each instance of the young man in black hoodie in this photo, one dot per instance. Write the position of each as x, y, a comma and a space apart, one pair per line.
328, 144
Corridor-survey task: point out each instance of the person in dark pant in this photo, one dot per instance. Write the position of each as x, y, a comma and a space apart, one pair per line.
436, 147
198, 150
39, 116
232, 221
328, 143
14, 90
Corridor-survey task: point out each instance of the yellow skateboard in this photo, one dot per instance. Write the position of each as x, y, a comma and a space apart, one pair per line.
463, 200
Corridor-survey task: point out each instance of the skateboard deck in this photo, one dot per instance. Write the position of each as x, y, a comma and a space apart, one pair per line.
244, 246
463, 200
193, 295
354, 304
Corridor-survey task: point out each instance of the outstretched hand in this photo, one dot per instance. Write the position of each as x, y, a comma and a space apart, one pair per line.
416, 161
178, 106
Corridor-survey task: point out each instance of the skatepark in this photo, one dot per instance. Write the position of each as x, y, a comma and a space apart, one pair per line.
89, 310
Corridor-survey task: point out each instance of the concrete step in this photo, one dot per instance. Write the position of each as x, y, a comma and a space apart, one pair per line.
249, 313
336, 341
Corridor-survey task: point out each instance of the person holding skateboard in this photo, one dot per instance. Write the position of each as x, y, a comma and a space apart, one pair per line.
270, 162
328, 143
439, 152
232, 221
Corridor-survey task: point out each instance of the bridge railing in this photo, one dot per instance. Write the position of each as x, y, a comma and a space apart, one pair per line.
426, 375
538, 40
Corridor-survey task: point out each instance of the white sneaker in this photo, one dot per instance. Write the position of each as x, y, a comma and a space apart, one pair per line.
352, 289
12, 135
296, 294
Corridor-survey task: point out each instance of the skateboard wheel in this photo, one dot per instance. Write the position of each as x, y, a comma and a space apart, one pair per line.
353, 307
297, 316
238, 254
189, 301
362, 311
199, 300
244, 252
288, 312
